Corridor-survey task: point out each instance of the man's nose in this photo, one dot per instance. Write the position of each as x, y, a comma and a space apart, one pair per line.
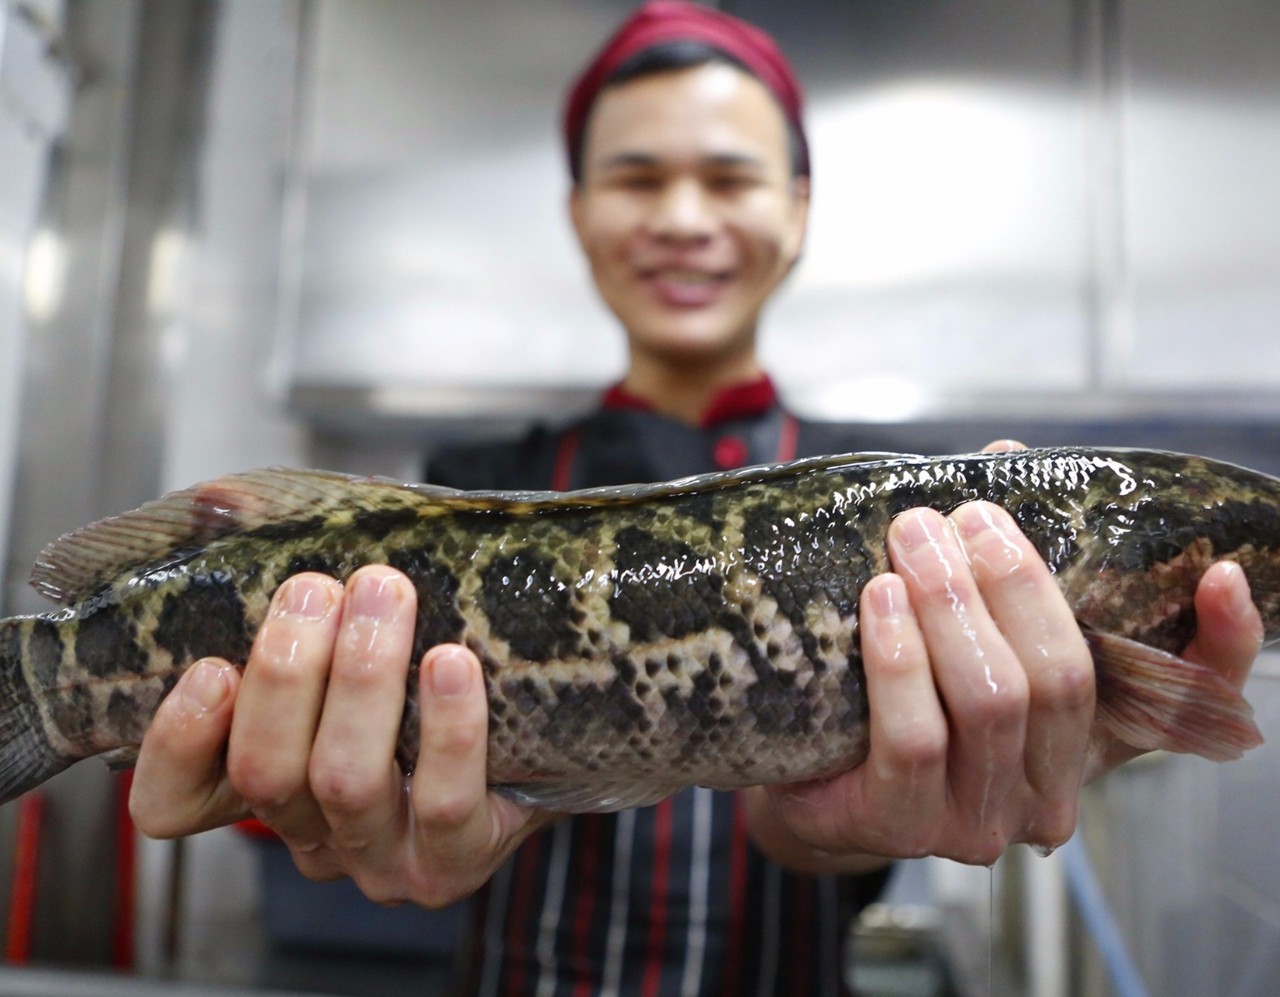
682, 211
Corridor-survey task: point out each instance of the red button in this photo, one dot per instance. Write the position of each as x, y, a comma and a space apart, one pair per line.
730, 452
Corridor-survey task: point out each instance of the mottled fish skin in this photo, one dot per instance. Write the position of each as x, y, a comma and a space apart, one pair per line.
693, 632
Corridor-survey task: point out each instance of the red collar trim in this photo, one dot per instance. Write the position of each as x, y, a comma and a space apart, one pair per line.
738, 401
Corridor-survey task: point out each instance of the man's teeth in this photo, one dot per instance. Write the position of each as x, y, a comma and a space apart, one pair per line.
688, 276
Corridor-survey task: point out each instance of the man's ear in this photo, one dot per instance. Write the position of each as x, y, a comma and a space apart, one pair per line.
575, 210
800, 187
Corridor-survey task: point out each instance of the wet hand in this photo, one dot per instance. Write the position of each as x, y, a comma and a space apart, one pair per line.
305, 740
1228, 638
982, 701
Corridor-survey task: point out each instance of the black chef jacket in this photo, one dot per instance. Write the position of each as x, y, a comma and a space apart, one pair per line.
672, 898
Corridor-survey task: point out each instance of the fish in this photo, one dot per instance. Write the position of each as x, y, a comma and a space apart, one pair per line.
637, 640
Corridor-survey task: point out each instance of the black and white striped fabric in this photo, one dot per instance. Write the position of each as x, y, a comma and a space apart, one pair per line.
672, 899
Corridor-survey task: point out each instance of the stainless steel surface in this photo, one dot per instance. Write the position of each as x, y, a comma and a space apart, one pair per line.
1184, 854
72, 272
446, 410
447, 257
35, 94
92, 418
1202, 223
62, 983
436, 231
1008, 198
1050, 221
166, 129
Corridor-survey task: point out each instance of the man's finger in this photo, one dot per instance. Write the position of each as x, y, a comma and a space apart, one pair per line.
1039, 627
906, 771
353, 772
1002, 446
449, 786
982, 684
908, 726
279, 708
1229, 630
179, 786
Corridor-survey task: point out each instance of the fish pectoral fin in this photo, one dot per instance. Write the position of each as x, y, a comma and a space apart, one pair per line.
120, 759
1152, 699
586, 797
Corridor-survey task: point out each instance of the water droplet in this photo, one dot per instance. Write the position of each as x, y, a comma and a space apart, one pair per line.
1044, 851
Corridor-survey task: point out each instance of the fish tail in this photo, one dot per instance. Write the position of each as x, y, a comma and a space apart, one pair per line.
1152, 699
27, 758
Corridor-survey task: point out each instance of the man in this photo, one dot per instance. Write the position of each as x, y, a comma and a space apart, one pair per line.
690, 201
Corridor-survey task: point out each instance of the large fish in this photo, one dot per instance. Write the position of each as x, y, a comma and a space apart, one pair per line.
640, 639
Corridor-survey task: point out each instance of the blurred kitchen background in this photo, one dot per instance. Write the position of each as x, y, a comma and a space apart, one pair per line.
332, 232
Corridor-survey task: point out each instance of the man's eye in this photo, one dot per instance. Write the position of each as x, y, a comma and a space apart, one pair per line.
638, 182
730, 183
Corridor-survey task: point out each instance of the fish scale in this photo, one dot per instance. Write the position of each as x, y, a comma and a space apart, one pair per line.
637, 640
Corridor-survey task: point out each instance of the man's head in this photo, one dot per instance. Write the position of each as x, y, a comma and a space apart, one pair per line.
690, 174
665, 35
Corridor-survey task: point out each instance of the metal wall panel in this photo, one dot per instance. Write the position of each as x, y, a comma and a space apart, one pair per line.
1052, 198
94, 374
34, 98
436, 248
949, 205
418, 216
948, 247
1201, 153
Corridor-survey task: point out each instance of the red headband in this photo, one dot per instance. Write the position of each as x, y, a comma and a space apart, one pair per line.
660, 21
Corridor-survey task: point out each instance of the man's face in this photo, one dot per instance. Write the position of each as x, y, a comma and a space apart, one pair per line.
687, 209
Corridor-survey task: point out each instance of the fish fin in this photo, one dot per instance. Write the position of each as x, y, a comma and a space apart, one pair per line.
119, 759
26, 756
81, 562
1152, 699
586, 797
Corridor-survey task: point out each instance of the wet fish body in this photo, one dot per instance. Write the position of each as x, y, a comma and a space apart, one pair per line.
640, 639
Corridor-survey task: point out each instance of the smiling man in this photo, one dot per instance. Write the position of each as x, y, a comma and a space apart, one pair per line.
691, 212
690, 200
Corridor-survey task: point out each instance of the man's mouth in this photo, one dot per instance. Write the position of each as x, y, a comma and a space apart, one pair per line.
682, 287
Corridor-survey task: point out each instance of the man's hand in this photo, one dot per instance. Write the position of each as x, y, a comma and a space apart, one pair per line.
982, 703
305, 740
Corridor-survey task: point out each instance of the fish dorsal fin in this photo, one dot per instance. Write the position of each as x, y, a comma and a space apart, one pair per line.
81, 562
84, 561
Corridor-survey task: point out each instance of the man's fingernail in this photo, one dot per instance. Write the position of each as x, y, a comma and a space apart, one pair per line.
1230, 571
450, 674
1242, 595
888, 596
978, 517
203, 688
375, 597
915, 529
309, 598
